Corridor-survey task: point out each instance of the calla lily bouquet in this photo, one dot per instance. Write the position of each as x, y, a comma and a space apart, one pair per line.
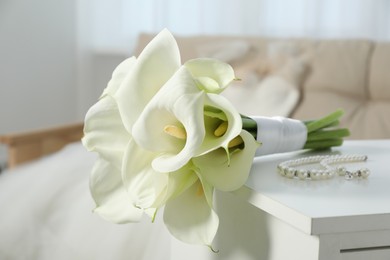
167, 139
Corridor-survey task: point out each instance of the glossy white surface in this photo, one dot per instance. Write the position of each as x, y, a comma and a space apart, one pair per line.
325, 206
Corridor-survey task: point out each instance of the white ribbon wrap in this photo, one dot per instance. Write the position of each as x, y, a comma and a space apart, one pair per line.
279, 134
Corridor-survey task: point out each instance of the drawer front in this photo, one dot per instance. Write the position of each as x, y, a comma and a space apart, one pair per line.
373, 253
370, 245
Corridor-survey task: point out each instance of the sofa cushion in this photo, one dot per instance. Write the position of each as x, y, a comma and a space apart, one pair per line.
340, 66
351, 75
379, 73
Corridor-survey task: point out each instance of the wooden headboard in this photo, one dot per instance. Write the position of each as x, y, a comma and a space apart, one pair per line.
23, 147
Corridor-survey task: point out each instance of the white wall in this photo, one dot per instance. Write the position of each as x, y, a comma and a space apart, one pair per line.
95, 64
37, 64
50, 73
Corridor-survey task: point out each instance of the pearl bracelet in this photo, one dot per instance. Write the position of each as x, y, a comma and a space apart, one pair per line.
287, 169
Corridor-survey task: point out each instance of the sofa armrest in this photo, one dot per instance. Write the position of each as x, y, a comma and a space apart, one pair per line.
23, 147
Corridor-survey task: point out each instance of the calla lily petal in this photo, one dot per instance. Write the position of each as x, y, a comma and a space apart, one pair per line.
142, 182
212, 142
178, 182
208, 189
188, 110
213, 75
178, 103
216, 170
118, 75
189, 217
162, 57
160, 111
104, 132
110, 195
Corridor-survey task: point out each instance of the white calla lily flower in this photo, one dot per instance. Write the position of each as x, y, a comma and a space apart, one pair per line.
143, 184
179, 103
217, 110
154, 67
105, 134
107, 128
228, 174
190, 218
111, 197
211, 75
118, 75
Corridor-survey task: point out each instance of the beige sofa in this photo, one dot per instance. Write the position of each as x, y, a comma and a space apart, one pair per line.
300, 78
327, 74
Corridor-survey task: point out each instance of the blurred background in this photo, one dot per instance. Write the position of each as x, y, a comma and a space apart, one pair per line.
57, 56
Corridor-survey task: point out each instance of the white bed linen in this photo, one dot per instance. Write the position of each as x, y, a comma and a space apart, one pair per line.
46, 213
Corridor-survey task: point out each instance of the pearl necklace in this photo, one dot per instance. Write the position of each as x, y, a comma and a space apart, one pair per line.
287, 169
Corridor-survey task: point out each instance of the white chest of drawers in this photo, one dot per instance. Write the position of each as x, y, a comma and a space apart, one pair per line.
275, 218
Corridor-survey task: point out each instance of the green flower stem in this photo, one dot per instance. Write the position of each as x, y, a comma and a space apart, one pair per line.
333, 124
327, 134
253, 133
248, 123
324, 122
323, 144
321, 133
